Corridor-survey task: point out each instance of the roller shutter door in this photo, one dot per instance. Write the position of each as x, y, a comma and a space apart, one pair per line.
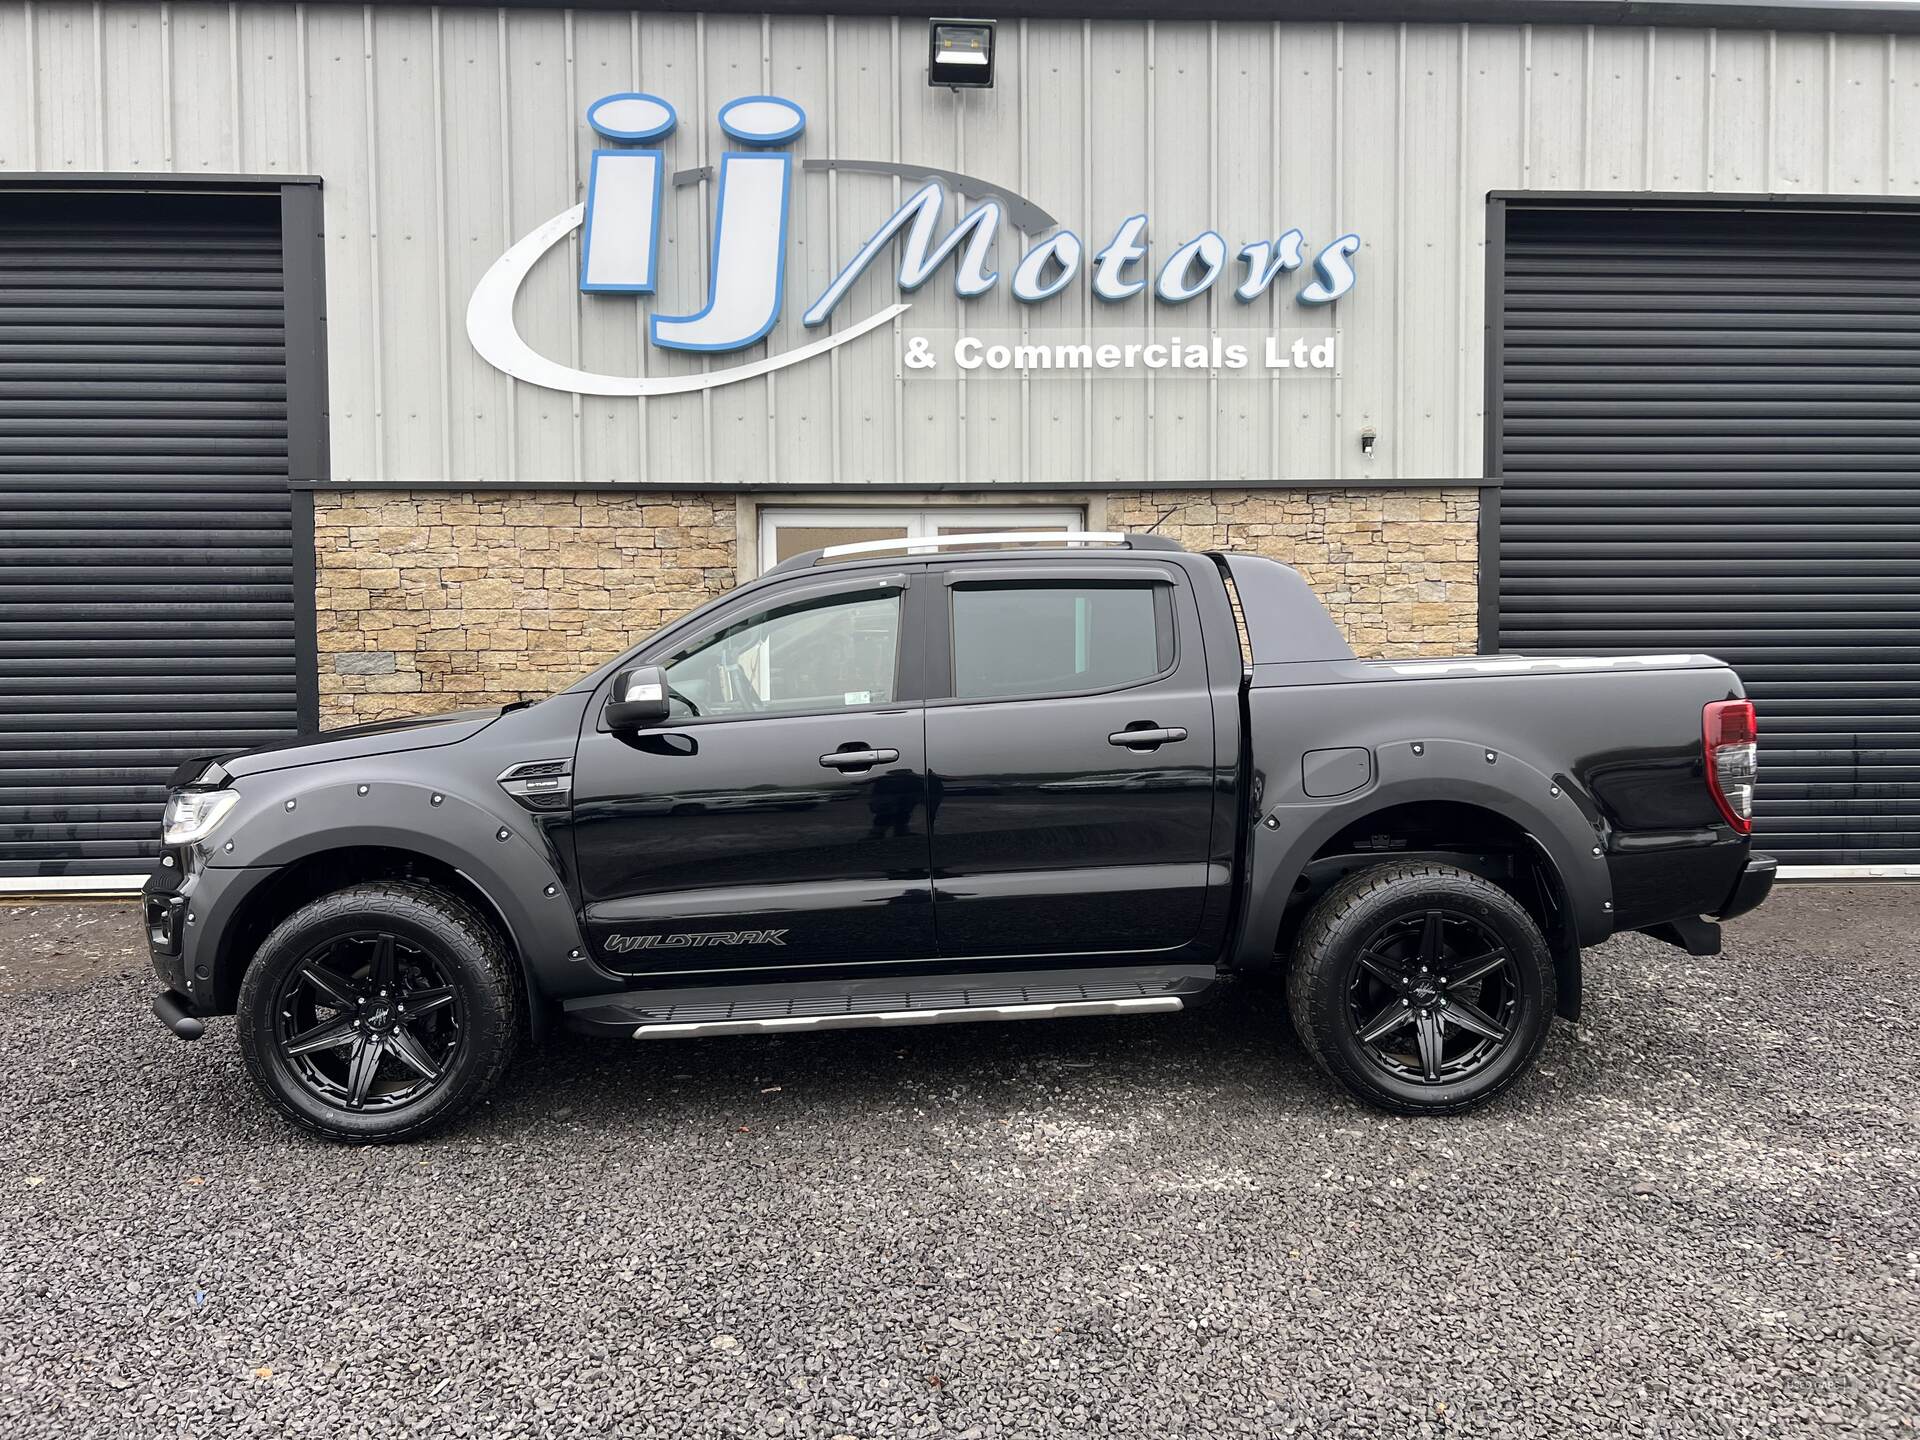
146, 577
1707, 424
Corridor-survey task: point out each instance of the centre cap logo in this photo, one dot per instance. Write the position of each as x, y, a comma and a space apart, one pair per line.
619, 251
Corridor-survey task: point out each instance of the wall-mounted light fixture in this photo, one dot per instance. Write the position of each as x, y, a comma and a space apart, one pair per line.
960, 54
1368, 437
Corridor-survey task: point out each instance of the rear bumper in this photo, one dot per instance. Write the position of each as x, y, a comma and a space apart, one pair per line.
1753, 886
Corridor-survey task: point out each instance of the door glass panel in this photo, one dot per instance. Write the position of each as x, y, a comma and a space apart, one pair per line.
792, 540
1054, 639
827, 655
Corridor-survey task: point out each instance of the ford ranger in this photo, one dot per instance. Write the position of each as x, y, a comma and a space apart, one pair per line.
981, 778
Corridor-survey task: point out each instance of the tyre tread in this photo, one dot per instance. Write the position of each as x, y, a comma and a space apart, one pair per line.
368, 900
1309, 976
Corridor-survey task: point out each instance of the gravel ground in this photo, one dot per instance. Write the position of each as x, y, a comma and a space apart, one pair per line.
1698, 1217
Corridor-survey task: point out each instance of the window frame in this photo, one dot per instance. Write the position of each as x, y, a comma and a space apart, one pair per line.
908, 676
1165, 582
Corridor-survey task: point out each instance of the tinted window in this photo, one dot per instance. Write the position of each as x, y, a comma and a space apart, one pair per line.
1051, 639
823, 655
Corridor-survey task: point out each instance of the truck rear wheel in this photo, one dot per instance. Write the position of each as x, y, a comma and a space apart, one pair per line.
379, 1012
1422, 988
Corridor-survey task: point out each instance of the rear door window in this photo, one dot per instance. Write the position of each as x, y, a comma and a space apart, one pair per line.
1058, 638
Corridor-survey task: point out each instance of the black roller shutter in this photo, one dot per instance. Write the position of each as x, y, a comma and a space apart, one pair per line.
146, 562
1707, 424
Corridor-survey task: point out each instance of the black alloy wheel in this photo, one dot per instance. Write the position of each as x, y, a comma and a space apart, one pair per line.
1434, 996
1421, 987
369, 1021
379, 1012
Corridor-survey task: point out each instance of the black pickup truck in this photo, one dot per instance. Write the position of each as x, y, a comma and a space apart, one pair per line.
986, 778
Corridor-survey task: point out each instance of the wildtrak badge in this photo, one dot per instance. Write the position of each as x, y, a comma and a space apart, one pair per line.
694, 940
746, 280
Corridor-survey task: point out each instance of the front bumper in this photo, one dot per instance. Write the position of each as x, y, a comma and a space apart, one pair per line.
186, 908
1753, 886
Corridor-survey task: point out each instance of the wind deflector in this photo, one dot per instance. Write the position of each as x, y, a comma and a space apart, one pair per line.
1286, 623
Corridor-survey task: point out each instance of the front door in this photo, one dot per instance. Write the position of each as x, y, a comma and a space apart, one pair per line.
1070, 760
779, 817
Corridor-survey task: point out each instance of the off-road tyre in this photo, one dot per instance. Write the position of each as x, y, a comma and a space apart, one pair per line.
434, 935
1332, 995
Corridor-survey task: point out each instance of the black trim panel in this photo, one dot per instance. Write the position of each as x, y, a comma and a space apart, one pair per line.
1841, 15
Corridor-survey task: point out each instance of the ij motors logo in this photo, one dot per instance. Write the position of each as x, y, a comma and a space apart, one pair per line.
747, 272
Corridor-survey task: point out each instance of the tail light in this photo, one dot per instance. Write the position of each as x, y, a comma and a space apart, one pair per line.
1730, 730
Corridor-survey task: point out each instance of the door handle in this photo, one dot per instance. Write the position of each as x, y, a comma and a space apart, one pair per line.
858, 759
1148, 739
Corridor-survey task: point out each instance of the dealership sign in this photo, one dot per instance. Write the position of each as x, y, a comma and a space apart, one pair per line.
621, 238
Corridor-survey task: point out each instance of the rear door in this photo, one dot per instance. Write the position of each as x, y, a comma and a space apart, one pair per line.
1070, 758
779, 818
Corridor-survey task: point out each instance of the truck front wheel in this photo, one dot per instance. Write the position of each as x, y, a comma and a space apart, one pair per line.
379, 1012
1422, 988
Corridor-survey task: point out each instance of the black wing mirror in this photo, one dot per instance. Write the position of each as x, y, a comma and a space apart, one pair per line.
639, 699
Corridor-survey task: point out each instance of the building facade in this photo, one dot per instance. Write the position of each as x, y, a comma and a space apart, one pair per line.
371, 360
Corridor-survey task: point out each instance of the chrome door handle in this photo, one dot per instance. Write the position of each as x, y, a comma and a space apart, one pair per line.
858, 759
1148, 739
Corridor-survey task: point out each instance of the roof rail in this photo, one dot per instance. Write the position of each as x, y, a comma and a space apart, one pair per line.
1000, 537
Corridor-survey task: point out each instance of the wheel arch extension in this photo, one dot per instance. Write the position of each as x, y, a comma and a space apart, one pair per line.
1463, 833
324, 870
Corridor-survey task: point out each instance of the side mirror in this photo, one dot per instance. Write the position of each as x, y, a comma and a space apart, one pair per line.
639, 698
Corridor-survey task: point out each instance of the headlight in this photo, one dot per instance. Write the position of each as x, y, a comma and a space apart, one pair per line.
192, 814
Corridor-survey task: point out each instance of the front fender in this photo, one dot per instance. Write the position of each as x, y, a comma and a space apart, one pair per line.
1289, 827
286, 817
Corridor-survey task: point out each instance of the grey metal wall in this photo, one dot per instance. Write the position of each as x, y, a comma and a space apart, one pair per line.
443, 135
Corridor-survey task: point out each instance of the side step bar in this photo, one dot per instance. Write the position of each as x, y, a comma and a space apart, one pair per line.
859, 1004
674, 1030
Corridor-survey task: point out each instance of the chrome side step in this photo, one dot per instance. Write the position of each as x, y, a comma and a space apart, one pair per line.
1059, 1010
862, 1002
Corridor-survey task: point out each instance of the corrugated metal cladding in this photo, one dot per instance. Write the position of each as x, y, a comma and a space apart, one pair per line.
1709, 429
146, 572
445, 134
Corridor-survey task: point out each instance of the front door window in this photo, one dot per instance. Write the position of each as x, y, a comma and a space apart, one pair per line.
824, 655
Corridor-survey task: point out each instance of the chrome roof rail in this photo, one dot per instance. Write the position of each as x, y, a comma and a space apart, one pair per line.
998, 537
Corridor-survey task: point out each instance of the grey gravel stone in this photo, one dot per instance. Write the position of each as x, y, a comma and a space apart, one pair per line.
971, 1231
